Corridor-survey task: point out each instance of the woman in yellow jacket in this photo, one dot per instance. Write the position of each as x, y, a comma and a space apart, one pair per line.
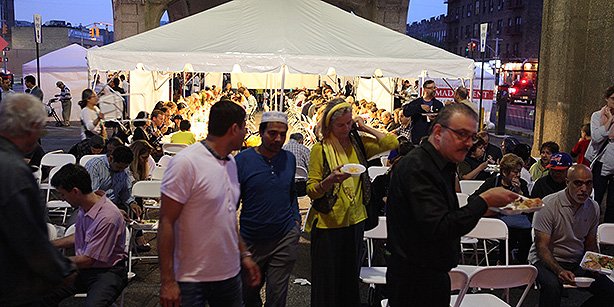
336, 234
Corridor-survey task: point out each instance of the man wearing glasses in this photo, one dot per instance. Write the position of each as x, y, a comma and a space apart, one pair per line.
425, 222
564, 230
423, 111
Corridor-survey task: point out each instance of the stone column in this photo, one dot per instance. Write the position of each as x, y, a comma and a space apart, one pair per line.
575, 66
131, 17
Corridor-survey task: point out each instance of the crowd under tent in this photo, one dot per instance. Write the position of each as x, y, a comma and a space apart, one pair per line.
275, 40
67, 65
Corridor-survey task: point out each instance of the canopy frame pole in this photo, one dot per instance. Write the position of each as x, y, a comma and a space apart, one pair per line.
282, 95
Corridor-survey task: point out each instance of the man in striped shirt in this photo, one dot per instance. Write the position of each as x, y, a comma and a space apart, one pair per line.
66, 101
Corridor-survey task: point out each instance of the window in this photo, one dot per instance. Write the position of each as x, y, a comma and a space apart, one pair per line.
462, 11
509, 22
469, 9
499, 25
491, 5
516, 50
499, 4
518, 20
477, 7
456, 12
467, 31
476, 30
507, 48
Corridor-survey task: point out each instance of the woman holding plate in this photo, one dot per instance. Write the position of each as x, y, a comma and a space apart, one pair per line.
519, 225
337, 219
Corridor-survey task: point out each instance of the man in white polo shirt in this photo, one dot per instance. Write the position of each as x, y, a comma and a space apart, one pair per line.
201, 253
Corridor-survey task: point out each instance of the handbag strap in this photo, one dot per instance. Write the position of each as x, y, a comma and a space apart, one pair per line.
361, 153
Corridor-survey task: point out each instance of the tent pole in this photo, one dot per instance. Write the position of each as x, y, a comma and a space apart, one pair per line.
172, 84
283, 80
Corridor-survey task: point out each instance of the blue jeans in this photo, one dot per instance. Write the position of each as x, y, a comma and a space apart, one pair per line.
224, 293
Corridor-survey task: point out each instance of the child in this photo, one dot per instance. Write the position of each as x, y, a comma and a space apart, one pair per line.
580, 149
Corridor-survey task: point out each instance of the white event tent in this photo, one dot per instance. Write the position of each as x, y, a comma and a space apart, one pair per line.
67, 65
277, 37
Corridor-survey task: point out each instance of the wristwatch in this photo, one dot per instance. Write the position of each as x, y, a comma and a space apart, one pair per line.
245, 254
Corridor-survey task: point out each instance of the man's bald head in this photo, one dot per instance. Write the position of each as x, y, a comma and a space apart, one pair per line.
579, 183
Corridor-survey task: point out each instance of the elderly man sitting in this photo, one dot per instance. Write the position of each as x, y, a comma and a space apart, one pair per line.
564, 230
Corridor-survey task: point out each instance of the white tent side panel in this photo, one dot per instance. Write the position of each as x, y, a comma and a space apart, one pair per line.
266, 81
146, 89
371, 90
214, 78
75, 81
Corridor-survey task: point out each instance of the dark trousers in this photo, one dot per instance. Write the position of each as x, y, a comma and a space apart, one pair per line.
550, 286
276, 260
103, 287
224, 293
601, 184
336, 256
519, 239
414, 286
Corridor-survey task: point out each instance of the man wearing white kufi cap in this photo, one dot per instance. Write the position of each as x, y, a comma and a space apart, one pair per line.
270, 220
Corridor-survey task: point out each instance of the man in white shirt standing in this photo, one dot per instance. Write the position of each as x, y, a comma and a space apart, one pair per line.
201, 252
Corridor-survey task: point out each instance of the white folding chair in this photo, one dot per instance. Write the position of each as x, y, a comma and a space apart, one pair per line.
462, 199
458, 281
384, 160
158, 173
164, 161
59, 206
374, 275
173, 148
150, 192
86, 158
605, 235
300, 174
488, 229
53, 159
375, 171
52, 232
498, 277
469, 186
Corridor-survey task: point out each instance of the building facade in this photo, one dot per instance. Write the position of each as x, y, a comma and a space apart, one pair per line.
514, 28
432, 31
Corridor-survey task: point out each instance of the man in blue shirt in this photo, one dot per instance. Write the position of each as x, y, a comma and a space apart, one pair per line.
270, 218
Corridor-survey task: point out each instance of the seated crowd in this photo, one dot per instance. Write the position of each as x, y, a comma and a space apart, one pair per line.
208, 181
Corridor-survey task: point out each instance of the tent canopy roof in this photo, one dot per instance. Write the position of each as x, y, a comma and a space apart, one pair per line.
68, 59
307, 36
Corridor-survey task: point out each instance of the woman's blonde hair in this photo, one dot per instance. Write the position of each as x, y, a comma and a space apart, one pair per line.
326, 120
509, 162
140, 169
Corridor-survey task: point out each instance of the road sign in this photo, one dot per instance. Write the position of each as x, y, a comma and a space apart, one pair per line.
3, 43
38, 22
483, 32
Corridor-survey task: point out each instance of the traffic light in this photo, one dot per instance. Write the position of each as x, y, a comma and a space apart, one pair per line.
97, 31
473, 46
92, 32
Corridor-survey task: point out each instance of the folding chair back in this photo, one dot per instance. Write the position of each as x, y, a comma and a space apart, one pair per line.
605, 234
146, 189
301, 173
57, 159
52, 232
462, 199
375, 171
504, 277
469, 186
491, 229
86, 158
164, 161
459, 281
173, 148
158, 173
379, 232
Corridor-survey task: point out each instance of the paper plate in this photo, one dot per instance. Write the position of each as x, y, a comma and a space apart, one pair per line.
353, 169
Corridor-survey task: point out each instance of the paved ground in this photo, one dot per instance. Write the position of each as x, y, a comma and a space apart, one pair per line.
143, 289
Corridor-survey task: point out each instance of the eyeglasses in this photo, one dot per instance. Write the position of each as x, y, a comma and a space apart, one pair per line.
431, 88
463, 135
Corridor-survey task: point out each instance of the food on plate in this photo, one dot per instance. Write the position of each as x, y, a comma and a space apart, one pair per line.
353, 169
526, 203
597, 262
